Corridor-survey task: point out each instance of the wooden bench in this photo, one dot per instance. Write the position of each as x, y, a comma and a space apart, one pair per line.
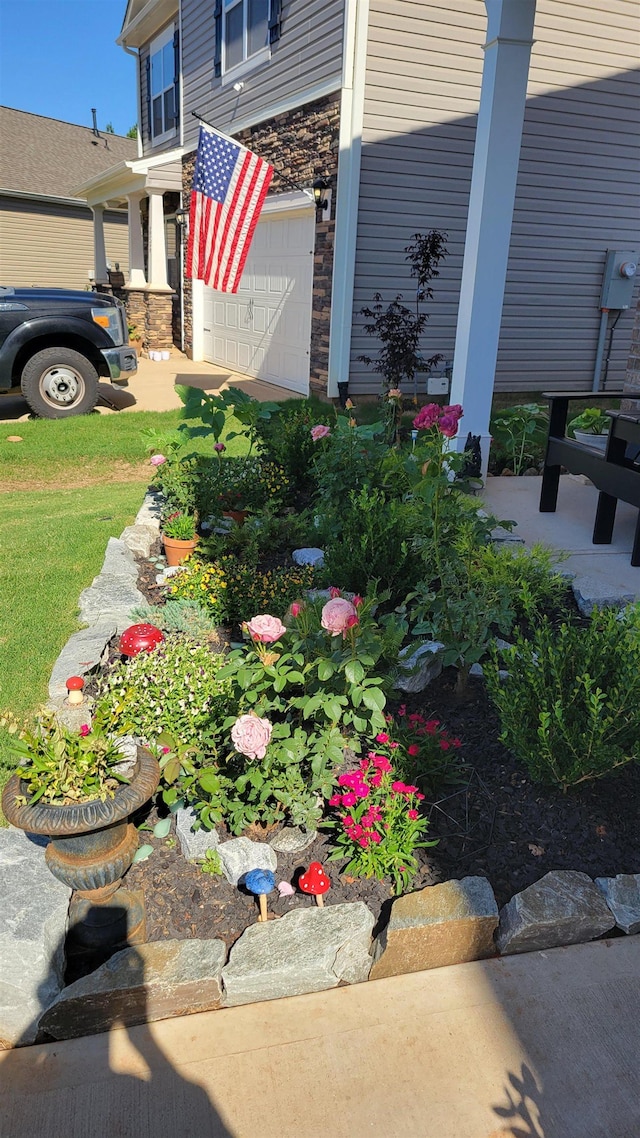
616, 473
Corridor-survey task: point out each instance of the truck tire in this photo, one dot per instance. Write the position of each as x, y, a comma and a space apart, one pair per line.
58, 383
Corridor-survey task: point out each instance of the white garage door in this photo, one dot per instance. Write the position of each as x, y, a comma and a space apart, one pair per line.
264, 330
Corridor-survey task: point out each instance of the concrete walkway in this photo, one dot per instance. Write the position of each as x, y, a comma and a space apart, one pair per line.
543, 1045
153, 388
570, 528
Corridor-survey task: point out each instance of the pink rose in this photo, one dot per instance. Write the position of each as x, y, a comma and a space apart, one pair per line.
338, 615
296, 609
265, 628
427, 417
320, 432
251, 736
219, 447
157, 459
448, 425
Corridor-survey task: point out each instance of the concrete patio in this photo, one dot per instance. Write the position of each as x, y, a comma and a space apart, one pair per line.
542, 1045
607, 568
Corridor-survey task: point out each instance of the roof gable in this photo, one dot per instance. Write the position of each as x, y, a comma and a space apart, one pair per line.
45, 156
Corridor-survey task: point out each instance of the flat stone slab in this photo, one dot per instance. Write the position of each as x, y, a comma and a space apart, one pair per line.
292, 839
119, 560
150, 511
564, 907
110, 598
592, 592
308, 950
139, 985
443, 924
240, 855
418, 666
33, 924
194, 843
83, 651
622, 894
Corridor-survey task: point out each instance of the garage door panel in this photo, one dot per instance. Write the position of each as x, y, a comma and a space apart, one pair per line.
264, 330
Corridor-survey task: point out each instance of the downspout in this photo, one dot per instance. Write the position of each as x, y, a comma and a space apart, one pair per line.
136, 55
356, 22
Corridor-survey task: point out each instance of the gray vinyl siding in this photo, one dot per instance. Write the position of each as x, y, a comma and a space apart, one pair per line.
308, 54
577, 191
51, 244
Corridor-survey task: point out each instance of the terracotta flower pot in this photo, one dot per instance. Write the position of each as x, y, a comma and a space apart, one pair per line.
177, 551
238, 516
92, 846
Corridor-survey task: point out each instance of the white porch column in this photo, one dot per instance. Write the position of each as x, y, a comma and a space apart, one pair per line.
493, 187
137, 278
100, 274
157, 243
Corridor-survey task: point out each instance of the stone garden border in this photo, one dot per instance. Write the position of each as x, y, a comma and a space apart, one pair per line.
309, 949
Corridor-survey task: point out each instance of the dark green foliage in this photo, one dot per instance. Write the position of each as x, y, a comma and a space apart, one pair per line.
570, 706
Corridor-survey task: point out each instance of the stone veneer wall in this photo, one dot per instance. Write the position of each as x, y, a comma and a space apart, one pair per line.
303, 145
152, 313
632, 376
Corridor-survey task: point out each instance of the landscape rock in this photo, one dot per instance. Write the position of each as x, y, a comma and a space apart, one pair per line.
33, 927
83, 651
421, 665
593, 592
110, 599
139, 985
119, 560
622, 894
139, 539
240, 855
150, 511
167, 572
309, 556
293, 839
308, 950
194, 843
564, 907
442, 924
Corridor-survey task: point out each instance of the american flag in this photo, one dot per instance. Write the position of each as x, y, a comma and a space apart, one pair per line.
229, 187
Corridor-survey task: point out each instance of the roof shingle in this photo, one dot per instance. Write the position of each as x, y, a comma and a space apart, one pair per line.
46, 156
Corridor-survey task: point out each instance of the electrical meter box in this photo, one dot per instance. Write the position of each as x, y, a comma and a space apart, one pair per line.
619, 278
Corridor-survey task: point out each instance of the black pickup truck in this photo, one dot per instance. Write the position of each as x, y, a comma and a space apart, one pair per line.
56, 345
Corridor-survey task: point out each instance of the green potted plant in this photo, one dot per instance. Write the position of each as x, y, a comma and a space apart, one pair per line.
591, 428
71, 787
179, 537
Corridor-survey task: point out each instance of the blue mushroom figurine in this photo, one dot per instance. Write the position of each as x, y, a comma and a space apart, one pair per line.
261, 882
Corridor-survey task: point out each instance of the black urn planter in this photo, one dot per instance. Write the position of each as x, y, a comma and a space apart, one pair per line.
92, 846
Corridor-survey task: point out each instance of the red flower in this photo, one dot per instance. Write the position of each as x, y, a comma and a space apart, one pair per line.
333, 592
382, 737
413, 750
412, 815
85, 730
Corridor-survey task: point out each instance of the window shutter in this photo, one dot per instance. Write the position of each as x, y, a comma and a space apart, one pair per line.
176, 74
275, 20
217, 54
147, 65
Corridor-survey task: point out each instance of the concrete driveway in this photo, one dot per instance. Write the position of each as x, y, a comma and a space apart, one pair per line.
153, 388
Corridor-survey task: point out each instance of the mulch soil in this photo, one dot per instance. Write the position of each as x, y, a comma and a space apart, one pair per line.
495, 822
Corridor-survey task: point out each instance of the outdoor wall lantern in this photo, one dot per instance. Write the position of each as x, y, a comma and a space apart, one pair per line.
319, 187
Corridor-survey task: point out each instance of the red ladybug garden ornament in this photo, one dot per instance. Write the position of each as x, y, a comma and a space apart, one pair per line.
140, 638
315, 881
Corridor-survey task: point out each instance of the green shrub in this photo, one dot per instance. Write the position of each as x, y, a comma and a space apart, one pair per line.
286, 439
265, 537
175, 688
238, 483
536, 588
249, 591
570, 705
370, 538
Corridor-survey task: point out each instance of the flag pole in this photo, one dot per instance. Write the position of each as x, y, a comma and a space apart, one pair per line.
284, 177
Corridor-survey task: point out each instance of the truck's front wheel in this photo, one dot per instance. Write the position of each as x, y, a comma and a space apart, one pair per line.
59, 382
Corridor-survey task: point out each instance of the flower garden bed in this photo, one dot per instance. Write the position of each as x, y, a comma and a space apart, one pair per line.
275, 697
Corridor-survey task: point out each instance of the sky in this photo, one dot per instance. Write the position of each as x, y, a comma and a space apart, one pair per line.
59, 58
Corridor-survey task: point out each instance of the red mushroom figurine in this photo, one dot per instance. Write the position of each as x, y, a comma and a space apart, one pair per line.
75, 685
315, 881
140, 638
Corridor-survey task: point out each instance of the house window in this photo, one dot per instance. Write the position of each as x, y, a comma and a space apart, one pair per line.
245, 34
163, 109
